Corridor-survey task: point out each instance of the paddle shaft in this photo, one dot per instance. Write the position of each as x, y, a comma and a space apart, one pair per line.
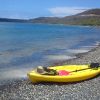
81, 69
92, 65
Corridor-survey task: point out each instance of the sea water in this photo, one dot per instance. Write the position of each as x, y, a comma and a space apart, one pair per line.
24, 46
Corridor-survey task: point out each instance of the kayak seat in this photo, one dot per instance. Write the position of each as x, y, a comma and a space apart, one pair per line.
46, 71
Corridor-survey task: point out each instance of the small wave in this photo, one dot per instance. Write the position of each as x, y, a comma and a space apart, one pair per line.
59, 57
14, 73
76, 51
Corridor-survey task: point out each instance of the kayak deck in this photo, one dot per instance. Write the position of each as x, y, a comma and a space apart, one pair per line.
77, 75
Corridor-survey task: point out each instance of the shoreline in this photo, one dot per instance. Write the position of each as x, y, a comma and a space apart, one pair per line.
23, 89
79, 56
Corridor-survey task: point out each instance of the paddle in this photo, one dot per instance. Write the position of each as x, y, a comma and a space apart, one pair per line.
46, 71
92, 65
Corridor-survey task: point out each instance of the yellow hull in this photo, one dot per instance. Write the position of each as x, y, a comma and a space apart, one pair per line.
72, 77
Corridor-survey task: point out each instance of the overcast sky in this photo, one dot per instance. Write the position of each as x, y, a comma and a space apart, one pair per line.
39, 8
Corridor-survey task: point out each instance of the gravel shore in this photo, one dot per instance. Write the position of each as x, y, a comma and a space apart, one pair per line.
23, 89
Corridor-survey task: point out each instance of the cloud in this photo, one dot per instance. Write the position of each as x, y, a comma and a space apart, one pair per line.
64, 11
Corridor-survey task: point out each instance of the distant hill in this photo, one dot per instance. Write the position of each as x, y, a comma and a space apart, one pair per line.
89, 17
91, 12
11, 20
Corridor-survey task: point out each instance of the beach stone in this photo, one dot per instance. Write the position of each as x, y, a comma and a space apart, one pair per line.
86, 90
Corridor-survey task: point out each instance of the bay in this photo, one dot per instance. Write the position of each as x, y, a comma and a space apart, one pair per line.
24, 46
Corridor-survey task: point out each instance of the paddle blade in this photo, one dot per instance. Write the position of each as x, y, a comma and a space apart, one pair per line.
94, 65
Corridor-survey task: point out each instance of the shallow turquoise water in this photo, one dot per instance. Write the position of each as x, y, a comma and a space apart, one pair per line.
26, 45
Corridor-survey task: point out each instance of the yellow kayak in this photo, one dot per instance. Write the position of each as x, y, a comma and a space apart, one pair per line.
76, 73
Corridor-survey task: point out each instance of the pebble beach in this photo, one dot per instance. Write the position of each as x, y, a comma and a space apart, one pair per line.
23, 89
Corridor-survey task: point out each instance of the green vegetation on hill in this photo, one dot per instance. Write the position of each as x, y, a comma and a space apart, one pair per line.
90, 21
85, 21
